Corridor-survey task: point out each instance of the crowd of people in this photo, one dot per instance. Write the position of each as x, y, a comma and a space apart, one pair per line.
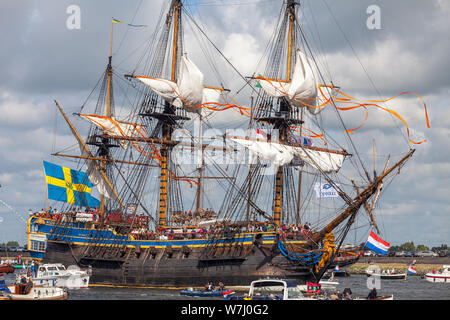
210, 287
186, 217
185, 224
345, 295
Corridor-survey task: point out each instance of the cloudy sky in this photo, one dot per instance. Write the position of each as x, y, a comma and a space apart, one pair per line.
42, 58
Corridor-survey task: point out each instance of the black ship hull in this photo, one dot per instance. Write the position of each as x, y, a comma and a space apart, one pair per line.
160, 267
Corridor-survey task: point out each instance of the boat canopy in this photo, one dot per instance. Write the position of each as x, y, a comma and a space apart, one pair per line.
273, 283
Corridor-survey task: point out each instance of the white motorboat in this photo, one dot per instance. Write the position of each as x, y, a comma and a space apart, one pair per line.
329, 284
443, 276
390, 297
56, 275
385, 274
20, 292
277, 289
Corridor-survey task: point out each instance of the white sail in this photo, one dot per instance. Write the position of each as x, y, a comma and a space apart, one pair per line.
275, 88
93, 172
304, 84
188, 92
210, 99
280, 154
323, 160
302, 90
114, 127
190, 84
276, 153
167, 89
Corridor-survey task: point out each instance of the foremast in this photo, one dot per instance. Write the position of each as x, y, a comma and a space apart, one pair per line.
108, 111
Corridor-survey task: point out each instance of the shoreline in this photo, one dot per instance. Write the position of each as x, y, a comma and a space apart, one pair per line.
423, 265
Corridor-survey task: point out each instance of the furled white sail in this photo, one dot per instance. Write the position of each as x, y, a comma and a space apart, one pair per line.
98, 180
302, 90
280, 154
94, 174
114, 127
188, 91
323, 160
275, 88
276, 153
190, 84
165, 88
304, 84
210, 99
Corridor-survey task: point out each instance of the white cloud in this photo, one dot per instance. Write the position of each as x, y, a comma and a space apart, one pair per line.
443, 4
389, 64
243, 51
6, 178
21, 113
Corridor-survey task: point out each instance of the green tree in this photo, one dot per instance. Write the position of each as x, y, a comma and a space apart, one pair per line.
394, 248
12, 244
408, 246
422, 247
443, 247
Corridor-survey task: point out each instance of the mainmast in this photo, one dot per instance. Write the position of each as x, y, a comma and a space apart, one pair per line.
201, 164
175, 12
280, 124
291, 16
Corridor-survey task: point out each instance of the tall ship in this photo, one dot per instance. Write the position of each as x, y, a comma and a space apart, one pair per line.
276, 196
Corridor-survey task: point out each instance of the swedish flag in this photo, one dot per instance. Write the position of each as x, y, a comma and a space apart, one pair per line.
68, 185
131, 25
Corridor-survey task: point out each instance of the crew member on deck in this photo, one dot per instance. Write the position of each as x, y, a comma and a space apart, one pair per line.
221, 286
372, 294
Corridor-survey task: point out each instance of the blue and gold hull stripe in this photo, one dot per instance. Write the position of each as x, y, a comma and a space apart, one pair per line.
76, 234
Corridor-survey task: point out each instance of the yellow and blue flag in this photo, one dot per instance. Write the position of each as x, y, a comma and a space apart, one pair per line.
68, 185
131, 25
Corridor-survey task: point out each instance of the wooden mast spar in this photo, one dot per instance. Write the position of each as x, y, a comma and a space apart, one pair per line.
278, 199
360, 199
88, 152
166, 129
108, 110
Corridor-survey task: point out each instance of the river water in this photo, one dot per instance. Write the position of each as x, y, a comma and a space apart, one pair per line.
413, 288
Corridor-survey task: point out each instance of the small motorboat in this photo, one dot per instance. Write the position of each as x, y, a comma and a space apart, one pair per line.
442, 277
56, 274
204, 293
390, 297
385, 274
19, 292
277, 289
389, 276
328, 283
336, 273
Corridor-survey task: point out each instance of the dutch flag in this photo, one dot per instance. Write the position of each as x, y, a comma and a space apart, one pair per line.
376, 244
412, 269
227, 294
